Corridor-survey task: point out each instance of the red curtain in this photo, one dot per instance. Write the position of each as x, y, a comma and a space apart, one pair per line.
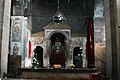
57, 58
29, 51
90, 45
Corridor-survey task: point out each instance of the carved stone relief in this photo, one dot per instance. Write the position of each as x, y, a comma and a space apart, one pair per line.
70, 44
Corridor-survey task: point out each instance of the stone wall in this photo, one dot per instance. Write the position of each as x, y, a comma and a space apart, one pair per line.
100, 43
111, 39
108, 40
17, 8
74, 13
1, 26
118, 12
119, 54
99, 36
75, 42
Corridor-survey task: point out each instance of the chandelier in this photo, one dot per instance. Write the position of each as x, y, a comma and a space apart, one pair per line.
58, 17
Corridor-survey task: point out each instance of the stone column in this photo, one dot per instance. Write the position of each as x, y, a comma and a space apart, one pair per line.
5, 35
118, 36
1, 27
68, 53
119, 55
47, 53
84, 52
111, 39
118, 11
18, 37
108, 40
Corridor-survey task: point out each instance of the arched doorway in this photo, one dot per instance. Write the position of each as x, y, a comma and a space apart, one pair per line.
77, 57
57, 50
38, 54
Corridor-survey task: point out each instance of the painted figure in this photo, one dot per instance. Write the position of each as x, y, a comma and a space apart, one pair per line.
57, 55
15, 49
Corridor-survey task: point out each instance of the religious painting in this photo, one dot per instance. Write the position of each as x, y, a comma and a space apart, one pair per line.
57, 55
16, 30
15, 48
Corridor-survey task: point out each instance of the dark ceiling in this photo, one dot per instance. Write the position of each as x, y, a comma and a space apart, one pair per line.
60, 1
75, 11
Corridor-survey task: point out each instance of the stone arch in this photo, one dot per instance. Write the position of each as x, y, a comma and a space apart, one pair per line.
64, 38
65, 33
57, 37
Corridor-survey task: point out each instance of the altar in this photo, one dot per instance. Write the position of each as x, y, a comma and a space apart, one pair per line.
50, 73
58, 46
58, 74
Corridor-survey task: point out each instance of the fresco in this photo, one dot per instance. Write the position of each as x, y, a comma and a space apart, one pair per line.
16, 29
15, 48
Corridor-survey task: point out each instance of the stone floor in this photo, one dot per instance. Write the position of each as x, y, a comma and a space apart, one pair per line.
22, 79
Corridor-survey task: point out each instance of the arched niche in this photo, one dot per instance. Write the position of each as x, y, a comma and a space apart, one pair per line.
77, 57
38, 54
64, 33
57, 50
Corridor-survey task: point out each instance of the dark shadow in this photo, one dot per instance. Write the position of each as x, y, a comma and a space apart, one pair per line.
57, 37
38, 54
77, 57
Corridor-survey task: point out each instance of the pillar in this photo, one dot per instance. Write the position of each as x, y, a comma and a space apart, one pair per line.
111, 39
5, 35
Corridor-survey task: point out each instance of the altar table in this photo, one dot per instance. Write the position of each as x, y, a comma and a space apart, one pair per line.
57, 74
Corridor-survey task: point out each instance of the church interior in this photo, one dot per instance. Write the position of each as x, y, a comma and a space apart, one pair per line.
60, 40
